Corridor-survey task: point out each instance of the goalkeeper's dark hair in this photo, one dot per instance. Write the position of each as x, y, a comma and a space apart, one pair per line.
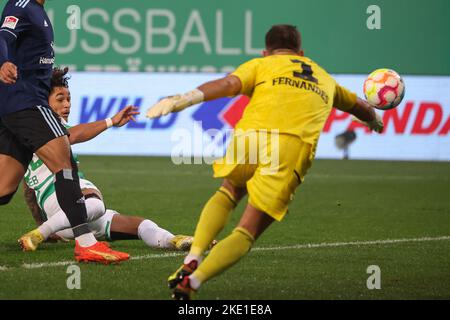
60, 78
283, 36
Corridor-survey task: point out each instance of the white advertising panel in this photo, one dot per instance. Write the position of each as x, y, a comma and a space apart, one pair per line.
418, 129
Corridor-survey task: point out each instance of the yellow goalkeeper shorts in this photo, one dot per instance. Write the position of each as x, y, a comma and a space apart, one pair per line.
271, 166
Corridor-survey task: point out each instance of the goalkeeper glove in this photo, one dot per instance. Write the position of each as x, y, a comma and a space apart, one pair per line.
375, 125
175, 103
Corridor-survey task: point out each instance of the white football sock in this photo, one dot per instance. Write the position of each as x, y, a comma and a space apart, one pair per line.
194, 282
55, 223
191, 257
95, 208
86, 240
154, 236
45, 230
66, 234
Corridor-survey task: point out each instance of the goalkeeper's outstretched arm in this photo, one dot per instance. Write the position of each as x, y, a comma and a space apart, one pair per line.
362, 111
224, 87
365, 114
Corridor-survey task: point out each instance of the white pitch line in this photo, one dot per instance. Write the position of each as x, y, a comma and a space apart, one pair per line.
47, 264
293, 247
156, 256
352, 243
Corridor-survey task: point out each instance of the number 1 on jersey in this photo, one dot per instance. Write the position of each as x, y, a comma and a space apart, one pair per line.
306, 73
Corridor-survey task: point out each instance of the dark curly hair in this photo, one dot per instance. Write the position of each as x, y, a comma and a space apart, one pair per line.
59, 78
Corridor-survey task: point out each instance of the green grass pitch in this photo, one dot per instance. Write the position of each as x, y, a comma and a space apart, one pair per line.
342, 205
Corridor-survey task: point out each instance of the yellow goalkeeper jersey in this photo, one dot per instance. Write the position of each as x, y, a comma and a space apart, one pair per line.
291, 94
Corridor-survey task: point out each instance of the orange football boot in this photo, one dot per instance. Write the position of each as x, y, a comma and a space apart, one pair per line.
99, 252
123, 255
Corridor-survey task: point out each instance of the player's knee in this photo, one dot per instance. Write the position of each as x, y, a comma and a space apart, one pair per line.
95, 208
64, 175
236, 193
58, 165
247, 235
6, 199
233, 192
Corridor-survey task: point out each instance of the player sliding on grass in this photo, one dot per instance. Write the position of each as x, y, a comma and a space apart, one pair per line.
39, 189
290, 99
27, 124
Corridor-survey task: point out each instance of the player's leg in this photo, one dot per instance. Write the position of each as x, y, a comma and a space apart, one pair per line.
227, 252
114, 226
56, 220
11, 172
236, 171
95, 207
14, 158
270, 190
56, 155
212, 220
40, 130
47, 137
66, 234
214, 217
111, 227
123, 227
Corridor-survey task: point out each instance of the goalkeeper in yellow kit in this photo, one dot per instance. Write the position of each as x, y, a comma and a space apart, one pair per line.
271, 150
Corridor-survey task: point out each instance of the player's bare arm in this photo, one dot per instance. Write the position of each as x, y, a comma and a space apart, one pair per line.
60, 102
87, 131
12, 173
